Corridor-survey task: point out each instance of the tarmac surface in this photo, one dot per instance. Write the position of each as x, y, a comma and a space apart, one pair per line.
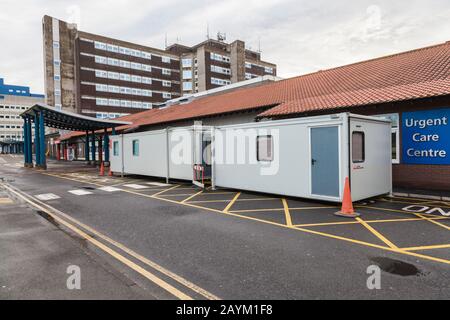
179, 241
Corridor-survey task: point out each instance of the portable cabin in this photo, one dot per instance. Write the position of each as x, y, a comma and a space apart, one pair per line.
306, 157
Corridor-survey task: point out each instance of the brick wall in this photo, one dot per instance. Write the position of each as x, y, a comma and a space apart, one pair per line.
433, 177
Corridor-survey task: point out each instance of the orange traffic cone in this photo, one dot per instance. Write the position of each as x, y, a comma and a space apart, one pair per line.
102, 169
110, 174
347, 204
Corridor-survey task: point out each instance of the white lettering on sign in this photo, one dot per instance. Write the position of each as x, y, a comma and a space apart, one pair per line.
426, 153
425, 209
422, 124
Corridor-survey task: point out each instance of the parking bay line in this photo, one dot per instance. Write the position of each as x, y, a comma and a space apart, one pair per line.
285, 226
228, 207
437, 246
432, 221
192, 196
287, 214
132, 253
368, 221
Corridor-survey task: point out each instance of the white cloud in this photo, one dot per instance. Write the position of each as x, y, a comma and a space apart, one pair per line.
300, 36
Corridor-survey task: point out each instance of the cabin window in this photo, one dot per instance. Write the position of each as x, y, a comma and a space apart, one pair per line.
358, 147
264, 148
135, 147
394, 117
116, 148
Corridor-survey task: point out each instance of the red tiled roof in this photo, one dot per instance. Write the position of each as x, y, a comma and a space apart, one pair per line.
409, 75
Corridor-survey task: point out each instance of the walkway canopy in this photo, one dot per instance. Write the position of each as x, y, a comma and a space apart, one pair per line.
45, 116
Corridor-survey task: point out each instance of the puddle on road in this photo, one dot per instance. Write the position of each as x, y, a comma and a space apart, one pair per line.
397, 267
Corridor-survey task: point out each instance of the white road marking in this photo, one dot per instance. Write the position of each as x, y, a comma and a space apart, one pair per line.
109, 189
80, 192
47, 196
159, 184
135, 186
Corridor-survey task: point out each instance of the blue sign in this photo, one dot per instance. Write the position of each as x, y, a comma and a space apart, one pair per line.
426, 137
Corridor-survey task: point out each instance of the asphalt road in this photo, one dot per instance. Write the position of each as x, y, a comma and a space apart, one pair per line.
230, 257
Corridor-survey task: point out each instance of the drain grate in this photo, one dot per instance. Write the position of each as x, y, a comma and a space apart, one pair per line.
396, 267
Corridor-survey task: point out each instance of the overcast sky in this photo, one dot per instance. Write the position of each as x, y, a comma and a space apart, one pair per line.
299, 36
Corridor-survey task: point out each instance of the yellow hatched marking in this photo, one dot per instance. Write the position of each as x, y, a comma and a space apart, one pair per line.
356, 222
192, 196
287, 214
437, 246
432, 221
293, 227
376, 233
165, 190
228, 207
279, 209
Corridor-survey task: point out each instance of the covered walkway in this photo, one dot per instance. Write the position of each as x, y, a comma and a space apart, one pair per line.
11, 146
44, 116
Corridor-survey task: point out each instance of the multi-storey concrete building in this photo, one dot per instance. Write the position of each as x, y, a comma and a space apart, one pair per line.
215, 63
105, 77
13, 101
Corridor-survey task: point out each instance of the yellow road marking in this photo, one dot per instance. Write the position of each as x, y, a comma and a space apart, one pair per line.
437, 246
279, 209
393, 210
368, 221
161, 283
287, 214
5, 201
177, 194
376, 233
228, 207
208, 201
162, 191
192, 196
436, 203
432, 221
293, 227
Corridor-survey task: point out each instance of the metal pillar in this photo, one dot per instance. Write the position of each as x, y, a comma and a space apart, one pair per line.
86, 147
106, 145
37, 147
42, 141
100, 149
29, 142
93, 147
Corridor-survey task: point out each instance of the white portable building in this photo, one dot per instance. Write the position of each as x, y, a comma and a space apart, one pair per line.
306, 157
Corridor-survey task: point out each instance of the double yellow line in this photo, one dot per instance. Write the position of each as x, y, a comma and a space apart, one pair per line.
58, 216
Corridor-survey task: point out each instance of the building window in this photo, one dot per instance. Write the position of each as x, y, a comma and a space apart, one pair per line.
187, 74
395, 135
186, 62
116, 148
166, 72
57, 77
57, 63
187, 86
165, 59
167, 95
358, 147
167, 84
55, 44
264, 148
268, 70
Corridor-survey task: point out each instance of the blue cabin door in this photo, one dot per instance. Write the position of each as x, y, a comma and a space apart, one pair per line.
325, 161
